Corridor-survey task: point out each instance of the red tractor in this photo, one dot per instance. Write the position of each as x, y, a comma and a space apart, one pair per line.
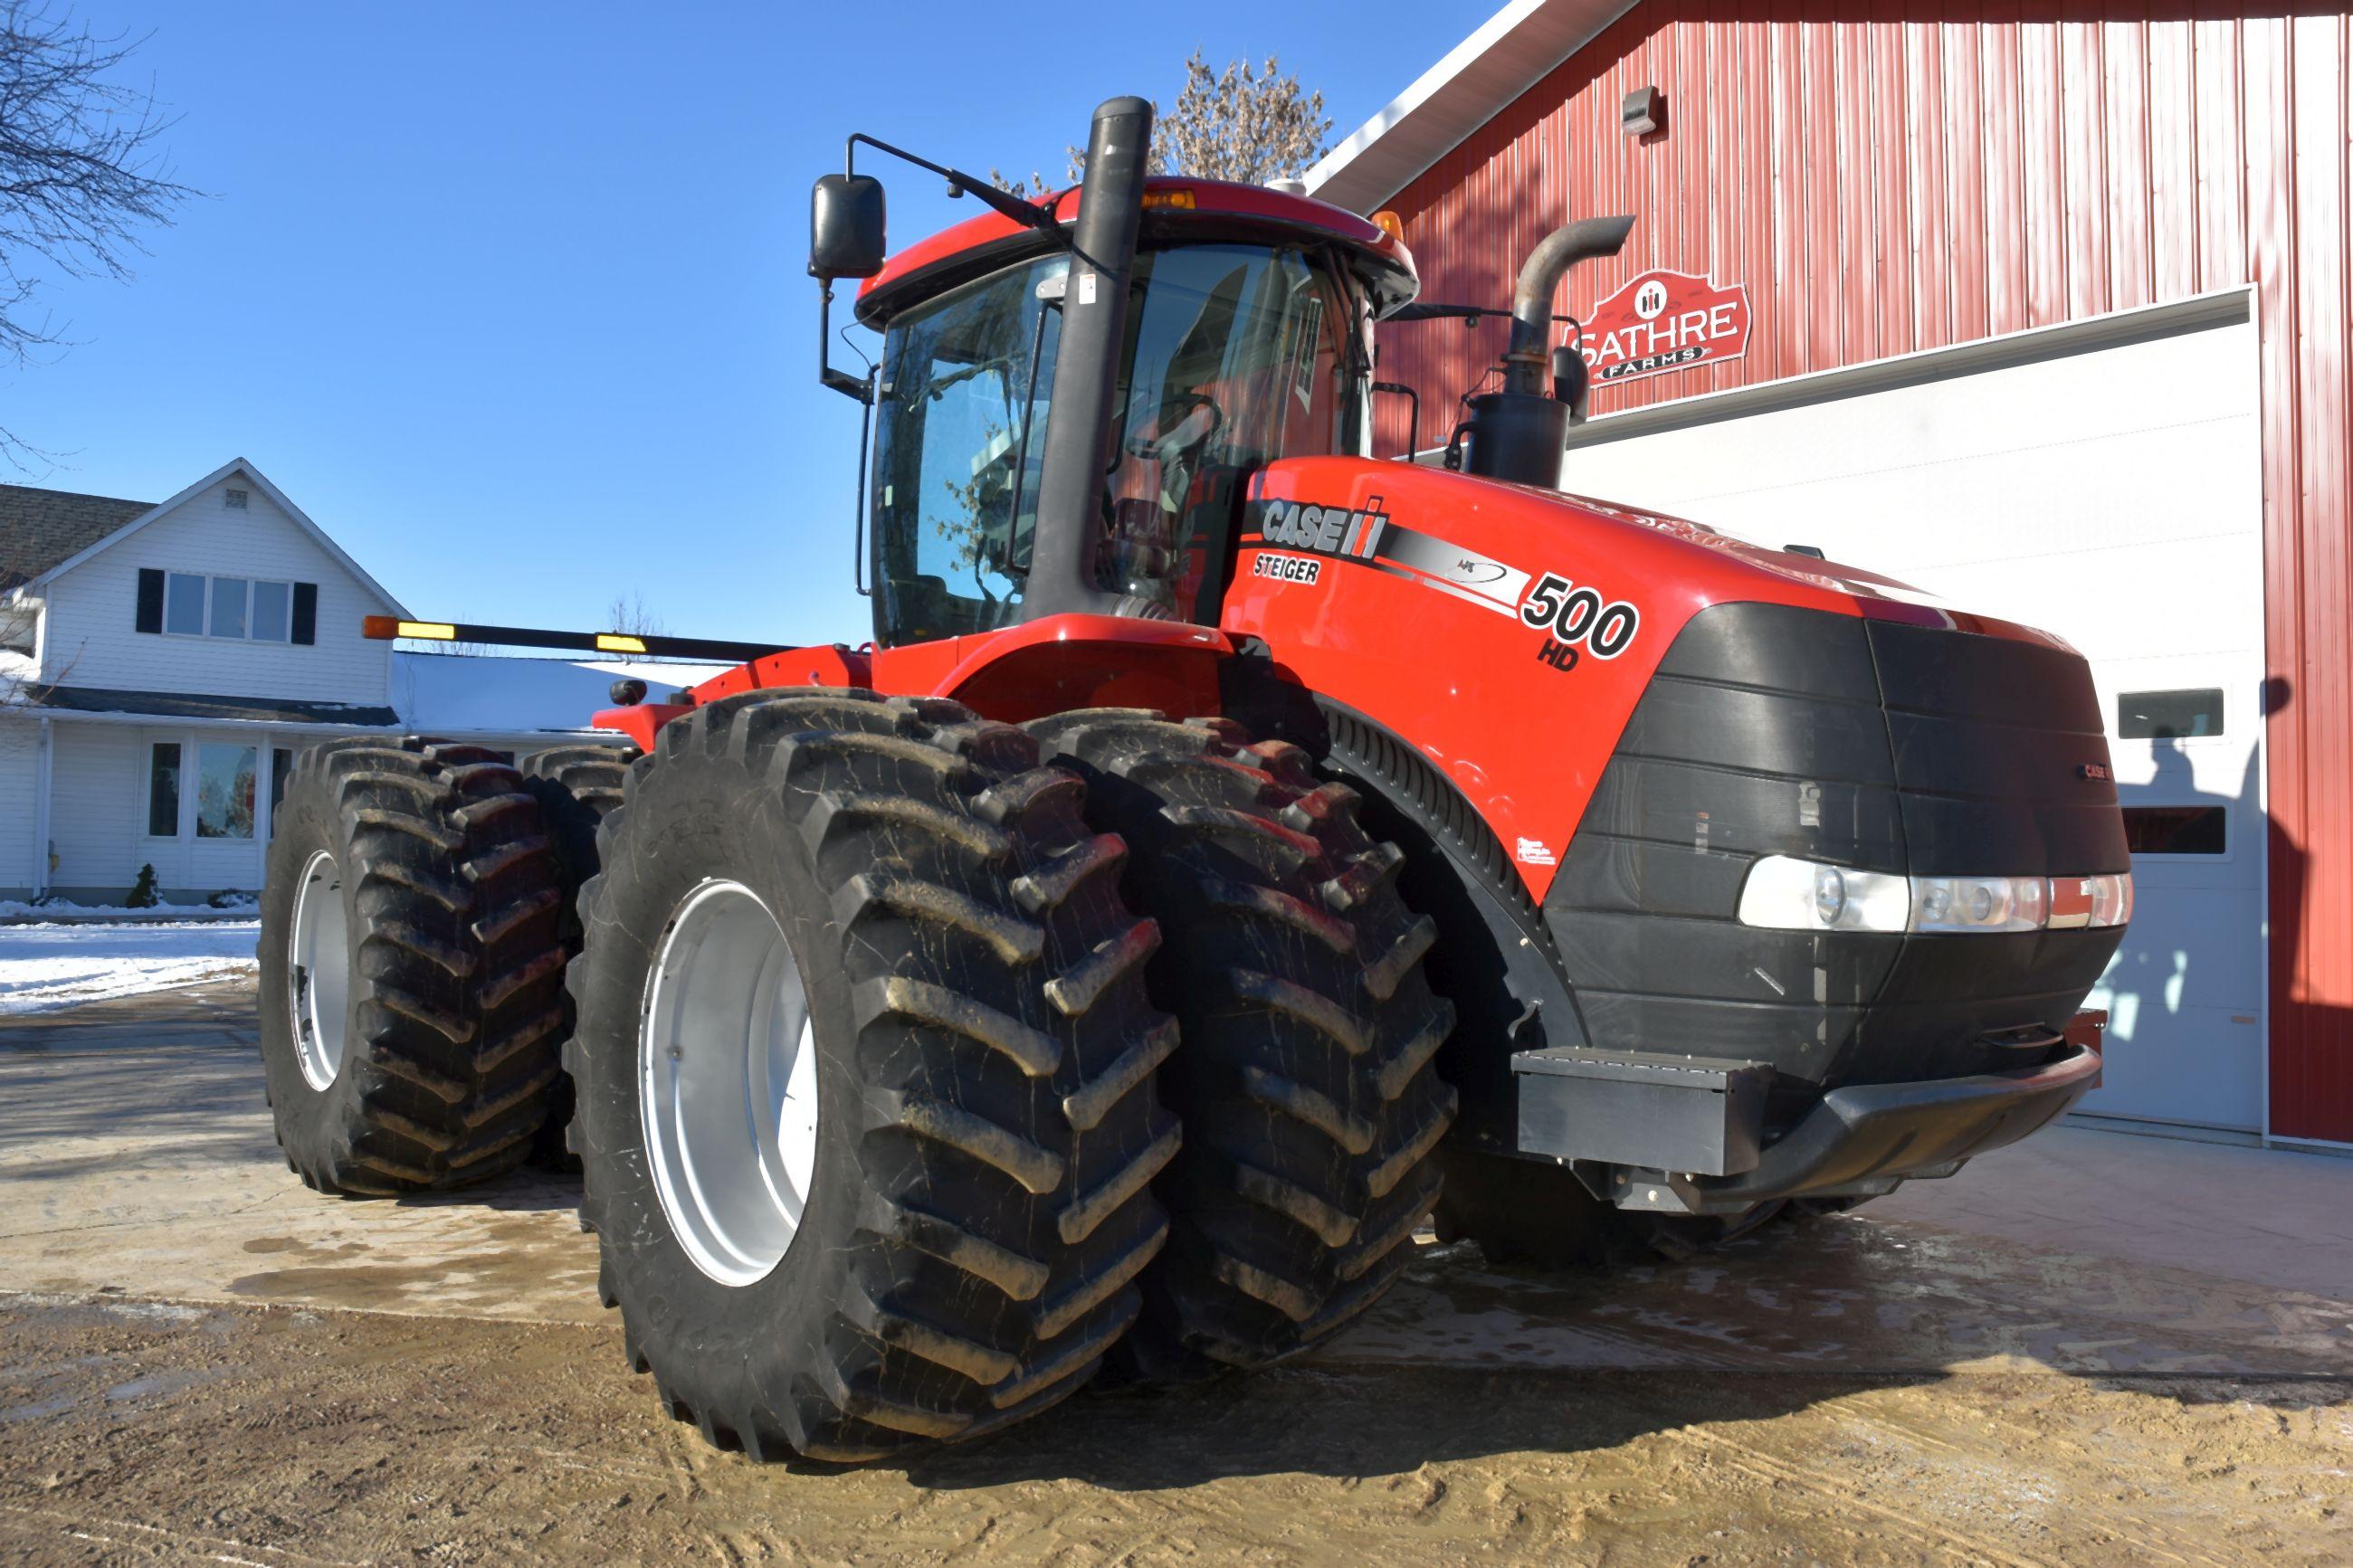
1231, 850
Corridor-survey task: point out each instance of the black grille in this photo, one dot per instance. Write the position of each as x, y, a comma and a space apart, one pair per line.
1774, 731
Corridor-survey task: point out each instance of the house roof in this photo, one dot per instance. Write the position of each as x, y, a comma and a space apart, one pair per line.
181, 705
141, 518
1513, 50
39, 528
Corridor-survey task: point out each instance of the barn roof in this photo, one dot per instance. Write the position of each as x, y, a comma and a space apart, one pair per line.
1512, 51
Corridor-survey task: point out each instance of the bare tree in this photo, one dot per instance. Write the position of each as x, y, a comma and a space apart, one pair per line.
1243, 123
81, 172
628, 616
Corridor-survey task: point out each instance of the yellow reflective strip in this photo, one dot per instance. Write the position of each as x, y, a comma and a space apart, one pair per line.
435, 631
613, 642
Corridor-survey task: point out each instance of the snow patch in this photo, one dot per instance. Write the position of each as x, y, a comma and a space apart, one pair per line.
62, 908
44, 967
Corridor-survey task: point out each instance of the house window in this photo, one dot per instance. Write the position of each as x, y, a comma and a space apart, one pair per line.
270, 601
163, 790
183, 605
236, 499
228, 606
238, 608
223, 791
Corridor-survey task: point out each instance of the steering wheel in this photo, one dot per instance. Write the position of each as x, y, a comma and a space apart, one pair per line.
1200, 419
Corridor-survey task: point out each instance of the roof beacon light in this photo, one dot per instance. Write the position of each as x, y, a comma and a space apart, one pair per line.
1389, 224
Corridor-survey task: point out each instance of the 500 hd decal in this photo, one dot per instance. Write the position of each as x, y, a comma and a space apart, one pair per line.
1574, 619
1569, 615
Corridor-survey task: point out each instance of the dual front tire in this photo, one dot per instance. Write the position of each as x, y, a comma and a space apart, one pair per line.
1015, 1173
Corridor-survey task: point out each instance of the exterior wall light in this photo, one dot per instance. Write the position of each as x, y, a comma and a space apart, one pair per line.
1643, 111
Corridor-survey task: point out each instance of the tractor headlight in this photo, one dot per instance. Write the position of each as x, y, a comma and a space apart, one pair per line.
1785, 893
1800, 895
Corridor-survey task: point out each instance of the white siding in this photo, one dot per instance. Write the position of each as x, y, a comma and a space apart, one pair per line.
19, 754
98, 809
92, 641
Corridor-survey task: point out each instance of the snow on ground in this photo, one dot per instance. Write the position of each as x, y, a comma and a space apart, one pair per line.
47, 966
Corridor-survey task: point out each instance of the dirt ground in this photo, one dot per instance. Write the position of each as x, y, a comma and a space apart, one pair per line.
199, 1361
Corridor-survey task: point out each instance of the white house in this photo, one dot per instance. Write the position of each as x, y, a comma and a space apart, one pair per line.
161, 663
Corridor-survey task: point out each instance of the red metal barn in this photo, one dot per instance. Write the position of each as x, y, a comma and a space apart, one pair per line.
2042, 308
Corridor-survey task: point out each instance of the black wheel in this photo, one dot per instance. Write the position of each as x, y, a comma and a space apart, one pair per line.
575, 786
865, 1065
1310, 1107
1535, 1215
411, 974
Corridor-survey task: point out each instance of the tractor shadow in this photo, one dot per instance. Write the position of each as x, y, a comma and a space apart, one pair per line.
1465, 1361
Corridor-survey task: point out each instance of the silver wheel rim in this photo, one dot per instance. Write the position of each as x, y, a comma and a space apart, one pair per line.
318, 970
727, 1083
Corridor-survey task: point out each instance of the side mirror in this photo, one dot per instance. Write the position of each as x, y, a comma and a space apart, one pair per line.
1570, 378
846, 226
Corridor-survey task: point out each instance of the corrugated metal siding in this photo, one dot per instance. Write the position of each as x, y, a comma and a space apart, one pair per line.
1886, 178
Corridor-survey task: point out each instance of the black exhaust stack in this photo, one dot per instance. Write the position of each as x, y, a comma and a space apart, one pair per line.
1080, 424
1519, 434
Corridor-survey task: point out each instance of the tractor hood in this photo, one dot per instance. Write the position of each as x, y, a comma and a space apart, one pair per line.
1496, 540
1511, 631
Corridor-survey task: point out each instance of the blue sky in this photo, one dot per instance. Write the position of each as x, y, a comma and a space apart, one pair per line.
510, 299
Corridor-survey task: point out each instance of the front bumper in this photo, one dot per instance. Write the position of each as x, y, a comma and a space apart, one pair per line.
1635, 1138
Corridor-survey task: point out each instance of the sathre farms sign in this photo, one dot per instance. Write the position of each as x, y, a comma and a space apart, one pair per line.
1663, 320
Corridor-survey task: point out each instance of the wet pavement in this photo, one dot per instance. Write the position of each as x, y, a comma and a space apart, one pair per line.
159, 1265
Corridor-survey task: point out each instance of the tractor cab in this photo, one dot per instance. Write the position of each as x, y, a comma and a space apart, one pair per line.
1247, 339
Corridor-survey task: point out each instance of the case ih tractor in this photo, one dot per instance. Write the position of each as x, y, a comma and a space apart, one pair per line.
1230, 849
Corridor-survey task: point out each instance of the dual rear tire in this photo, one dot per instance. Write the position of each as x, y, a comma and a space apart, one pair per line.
410, 967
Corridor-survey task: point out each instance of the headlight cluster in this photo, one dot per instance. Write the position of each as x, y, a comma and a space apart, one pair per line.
1788, 894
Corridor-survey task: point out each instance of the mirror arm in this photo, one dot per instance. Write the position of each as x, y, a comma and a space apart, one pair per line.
1027, 213
860, 387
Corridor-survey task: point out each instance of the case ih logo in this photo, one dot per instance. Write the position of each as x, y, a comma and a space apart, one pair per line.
1663, 320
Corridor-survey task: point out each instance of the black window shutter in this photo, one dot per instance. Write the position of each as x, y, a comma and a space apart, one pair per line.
150, 600
306, 613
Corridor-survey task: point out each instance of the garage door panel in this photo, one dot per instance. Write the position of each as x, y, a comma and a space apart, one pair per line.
2205, 1058
2048, 502
2113, 497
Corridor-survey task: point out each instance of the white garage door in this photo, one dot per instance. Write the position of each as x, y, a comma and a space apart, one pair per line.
2102, 482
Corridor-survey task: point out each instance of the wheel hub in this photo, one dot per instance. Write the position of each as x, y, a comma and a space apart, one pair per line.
318, 970
727, 1083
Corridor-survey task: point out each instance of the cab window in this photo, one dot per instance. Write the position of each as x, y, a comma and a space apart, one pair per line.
960, 426
1235, 358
